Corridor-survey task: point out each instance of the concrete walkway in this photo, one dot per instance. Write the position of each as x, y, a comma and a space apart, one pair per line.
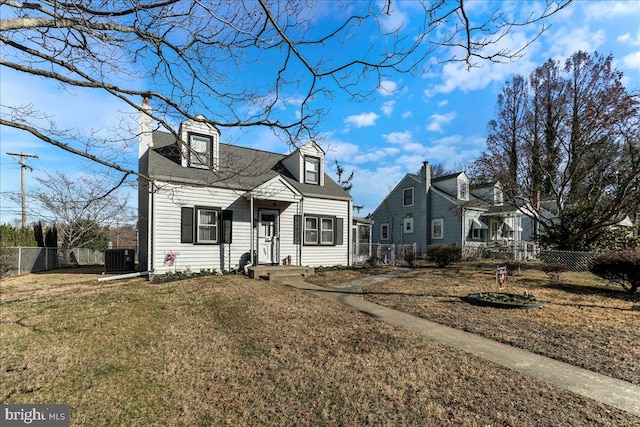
617, 393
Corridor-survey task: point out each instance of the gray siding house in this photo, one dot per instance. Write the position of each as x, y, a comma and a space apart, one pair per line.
447, 210
209, 205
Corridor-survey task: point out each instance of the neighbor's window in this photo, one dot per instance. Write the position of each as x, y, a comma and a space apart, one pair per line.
384, 231
437, 228
326, 231
408, 225
311, 230
200, 150
463, 189
407, 197
207, 225
312, 170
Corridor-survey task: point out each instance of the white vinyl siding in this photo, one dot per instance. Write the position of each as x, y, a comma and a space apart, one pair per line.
327, 254
166, 236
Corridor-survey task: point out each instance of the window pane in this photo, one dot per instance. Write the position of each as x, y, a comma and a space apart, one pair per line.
207, 225
207, 233
312, 170
327, 230
208, 217
311, 230
408, 196
200, 150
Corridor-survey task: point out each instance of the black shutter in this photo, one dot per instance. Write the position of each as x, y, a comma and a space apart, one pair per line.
186, 225
339, 231
227, 226
297, 229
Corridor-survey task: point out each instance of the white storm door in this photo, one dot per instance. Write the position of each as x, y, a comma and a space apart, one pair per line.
268, 237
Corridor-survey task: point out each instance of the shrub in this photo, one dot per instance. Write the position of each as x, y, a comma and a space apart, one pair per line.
554, 269
444, 255
622, 267
513, 266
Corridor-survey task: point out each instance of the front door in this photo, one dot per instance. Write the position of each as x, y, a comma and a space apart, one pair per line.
268, 237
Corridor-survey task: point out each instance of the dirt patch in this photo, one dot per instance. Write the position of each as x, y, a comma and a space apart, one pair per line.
593, 326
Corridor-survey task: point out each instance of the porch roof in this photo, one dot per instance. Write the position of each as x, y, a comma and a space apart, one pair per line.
276, 189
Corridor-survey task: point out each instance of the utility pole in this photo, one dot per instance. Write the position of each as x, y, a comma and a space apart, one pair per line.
23, 166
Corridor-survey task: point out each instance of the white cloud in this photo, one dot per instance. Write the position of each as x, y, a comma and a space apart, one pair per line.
407, 114
603, 10
443, 103
387, 88
632, 61
398, 137
362, 120
437, 120
392, 19
376, 155
627, 38
387, 108
568, 40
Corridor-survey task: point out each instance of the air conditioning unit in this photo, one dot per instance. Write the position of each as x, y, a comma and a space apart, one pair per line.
119, 261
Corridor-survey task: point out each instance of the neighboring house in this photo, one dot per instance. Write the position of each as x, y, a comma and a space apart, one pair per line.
447, 210
216, 206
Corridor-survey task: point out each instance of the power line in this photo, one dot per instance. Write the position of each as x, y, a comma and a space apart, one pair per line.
23, 166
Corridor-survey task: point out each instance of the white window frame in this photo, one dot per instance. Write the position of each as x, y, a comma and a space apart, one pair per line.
407, 226
215, 225
307, 241
404, 192
437, 222
310, 160
476, 233
463, 189
384, 231
324, 230
200, 159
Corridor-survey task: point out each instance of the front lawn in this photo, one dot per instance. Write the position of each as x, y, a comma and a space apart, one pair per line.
233, 351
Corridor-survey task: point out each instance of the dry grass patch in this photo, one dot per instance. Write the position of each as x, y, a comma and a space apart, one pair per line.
586, 323
233, 351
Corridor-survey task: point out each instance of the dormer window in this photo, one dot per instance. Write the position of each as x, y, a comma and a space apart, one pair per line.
311, 170
497, 196
200, 149
463, 189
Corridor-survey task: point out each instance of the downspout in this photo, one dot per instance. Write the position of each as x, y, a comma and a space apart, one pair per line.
349, 233
150, 230
251, 221
301, 231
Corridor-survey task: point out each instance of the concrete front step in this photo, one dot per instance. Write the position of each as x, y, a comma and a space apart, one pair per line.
270, 272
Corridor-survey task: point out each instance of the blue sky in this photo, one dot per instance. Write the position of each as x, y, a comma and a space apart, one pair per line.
440, 116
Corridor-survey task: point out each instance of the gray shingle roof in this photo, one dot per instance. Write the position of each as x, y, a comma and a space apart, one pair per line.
240, 169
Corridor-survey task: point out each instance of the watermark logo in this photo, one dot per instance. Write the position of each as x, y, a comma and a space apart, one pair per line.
34, 415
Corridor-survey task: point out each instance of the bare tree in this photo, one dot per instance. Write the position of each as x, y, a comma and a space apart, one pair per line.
239, 63
80, 209
579, 164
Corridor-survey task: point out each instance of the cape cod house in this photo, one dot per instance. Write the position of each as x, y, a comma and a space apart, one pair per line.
214, 206
447, 210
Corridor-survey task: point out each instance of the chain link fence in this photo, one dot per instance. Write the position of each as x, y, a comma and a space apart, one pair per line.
18, 260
